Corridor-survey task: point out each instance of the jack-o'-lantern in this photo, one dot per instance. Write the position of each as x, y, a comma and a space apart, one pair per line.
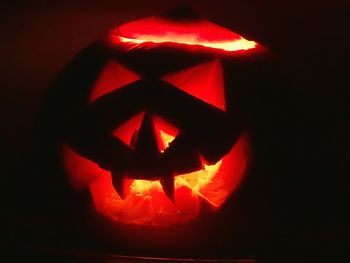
148, 124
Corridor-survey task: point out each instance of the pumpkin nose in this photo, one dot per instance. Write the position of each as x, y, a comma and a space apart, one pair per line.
144, 131
148, 142
147, 152
144, 140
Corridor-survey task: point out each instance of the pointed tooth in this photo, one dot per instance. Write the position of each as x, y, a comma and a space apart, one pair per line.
118, 183
168, 186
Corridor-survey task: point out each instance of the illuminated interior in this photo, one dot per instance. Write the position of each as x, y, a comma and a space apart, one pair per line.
164, 132
155, 30
145, 203
112, 77
125, 131
204, 81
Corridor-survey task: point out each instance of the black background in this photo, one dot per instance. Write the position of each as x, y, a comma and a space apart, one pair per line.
301, 127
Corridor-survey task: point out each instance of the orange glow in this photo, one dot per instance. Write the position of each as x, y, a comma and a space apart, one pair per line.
204, 81
241, 44
167, 139
145, 203
164, 132
196, 33
112, 77
125, 131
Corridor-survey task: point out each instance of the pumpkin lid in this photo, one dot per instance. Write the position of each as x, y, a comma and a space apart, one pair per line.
180, 26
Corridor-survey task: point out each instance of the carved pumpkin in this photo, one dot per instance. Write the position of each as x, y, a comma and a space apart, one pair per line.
147, 122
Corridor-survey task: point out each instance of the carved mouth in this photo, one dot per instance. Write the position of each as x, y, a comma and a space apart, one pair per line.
145, 202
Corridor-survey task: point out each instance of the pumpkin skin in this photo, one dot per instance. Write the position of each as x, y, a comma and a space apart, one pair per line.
151, 129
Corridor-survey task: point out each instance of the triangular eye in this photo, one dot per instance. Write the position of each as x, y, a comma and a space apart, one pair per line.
204, 81
112, 77
126, 131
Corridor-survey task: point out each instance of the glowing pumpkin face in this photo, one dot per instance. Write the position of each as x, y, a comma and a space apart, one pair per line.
149, 132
